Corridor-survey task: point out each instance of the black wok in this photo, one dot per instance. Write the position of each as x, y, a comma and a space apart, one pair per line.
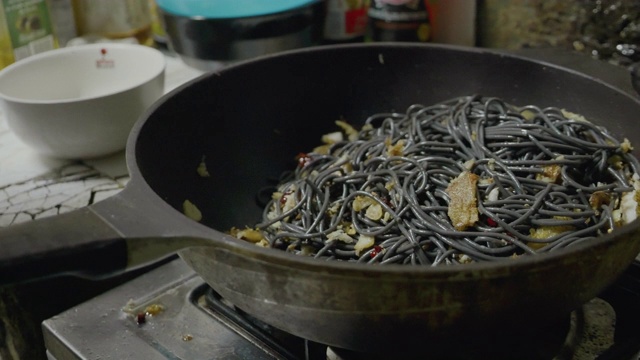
248, 122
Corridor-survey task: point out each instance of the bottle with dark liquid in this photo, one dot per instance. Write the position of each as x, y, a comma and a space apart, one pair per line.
399, 20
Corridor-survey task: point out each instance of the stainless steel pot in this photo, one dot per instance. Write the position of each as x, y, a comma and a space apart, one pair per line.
210, 34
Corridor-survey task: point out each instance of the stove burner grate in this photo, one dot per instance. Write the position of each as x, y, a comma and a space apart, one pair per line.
563, 339
289, 346
604, 329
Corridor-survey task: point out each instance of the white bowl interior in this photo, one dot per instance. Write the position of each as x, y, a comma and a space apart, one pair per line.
81, 72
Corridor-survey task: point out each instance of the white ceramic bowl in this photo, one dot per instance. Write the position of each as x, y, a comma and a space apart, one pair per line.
82, 101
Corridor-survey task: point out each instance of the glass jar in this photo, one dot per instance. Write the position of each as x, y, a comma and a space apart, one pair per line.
399, 20
345, 21
114, 19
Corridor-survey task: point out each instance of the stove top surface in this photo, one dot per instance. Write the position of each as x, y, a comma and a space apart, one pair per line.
121, 325
170, 313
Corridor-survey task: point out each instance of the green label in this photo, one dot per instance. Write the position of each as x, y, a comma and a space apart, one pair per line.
27, 20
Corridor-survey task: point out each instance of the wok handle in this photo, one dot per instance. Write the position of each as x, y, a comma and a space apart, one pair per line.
61, 244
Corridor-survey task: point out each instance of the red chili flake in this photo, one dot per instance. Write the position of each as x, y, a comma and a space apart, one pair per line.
492, 222
103, 51
283, 199
141, 318
376, 250
387, 202
303, 159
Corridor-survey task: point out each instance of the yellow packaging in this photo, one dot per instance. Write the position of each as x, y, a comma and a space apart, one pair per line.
156, 24
25, 29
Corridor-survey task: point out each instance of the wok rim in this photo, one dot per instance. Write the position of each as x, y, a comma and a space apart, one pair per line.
485, 269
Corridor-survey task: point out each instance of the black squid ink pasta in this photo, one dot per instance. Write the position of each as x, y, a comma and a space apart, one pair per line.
469, 179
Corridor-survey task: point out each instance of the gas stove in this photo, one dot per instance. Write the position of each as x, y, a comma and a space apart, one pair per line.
170, 313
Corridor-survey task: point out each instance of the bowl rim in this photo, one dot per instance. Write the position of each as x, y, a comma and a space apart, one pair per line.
44, 56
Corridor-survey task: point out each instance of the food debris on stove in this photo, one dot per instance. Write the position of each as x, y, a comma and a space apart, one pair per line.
141, 316
154, 309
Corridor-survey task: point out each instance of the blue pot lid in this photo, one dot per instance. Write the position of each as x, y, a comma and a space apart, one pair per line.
224, 9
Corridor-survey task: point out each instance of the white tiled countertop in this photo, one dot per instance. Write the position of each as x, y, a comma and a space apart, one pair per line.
33, 186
